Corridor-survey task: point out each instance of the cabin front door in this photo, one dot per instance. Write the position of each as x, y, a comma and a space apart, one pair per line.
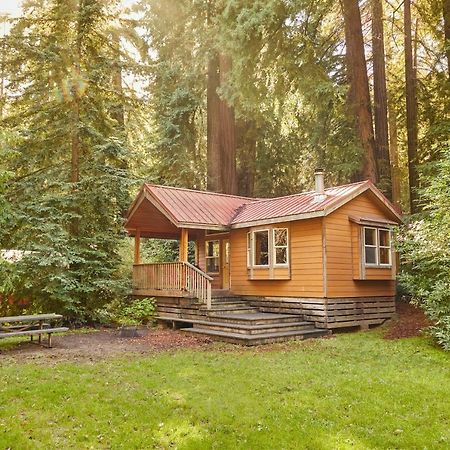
226, 264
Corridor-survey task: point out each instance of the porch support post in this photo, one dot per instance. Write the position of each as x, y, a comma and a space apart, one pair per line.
184, 239
137, 247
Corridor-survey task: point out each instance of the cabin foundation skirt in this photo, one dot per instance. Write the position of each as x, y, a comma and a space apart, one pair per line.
332, 313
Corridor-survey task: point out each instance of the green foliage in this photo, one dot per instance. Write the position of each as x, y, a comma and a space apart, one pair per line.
425, 249
139, 311
176, 84
60, 67
289, 77
164, 250
127, 312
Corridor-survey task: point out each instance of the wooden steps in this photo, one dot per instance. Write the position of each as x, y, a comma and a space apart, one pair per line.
233, 319
257, 339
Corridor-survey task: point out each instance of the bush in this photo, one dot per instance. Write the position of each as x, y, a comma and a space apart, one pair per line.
134, 312
424, 245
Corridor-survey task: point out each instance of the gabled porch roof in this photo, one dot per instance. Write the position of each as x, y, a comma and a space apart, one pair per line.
161, 211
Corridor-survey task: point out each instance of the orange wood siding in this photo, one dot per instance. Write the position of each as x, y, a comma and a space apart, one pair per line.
342, 253
277, 273
306, 263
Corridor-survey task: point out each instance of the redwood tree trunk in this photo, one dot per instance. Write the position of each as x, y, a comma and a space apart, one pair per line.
393, 147
214, 176
380, 100
118, 110
221, 131
359, 85
446, 14
411, 108
75, 123
246, 148
227, 135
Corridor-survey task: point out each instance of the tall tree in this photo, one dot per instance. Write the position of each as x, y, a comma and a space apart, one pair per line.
221, 124
380, 100
213, 155
446, 14
359, 94
227, 134
246, 138
411, 107
69, 183
393, 153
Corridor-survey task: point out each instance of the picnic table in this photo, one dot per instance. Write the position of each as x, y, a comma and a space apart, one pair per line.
34, 325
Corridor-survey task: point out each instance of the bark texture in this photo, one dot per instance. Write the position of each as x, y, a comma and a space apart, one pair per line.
411, 107
221, 131
446, 14
214, 176
227, 135
359, 96
246, 148
380, 100
393, 152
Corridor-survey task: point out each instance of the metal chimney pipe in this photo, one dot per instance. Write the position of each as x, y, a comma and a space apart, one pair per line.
320, 182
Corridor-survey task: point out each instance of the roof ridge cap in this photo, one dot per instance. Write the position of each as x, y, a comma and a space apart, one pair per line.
199, 192
311, 191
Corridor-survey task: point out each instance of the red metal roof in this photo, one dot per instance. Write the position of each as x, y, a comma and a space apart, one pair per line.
208, 209
197, 207
293, 205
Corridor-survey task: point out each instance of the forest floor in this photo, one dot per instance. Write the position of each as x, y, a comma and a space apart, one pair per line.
89, 344
168, 390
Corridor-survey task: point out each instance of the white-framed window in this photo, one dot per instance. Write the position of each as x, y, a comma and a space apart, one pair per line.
249, 249
212, 256
280, 246
261, 248
377, 247
268, 247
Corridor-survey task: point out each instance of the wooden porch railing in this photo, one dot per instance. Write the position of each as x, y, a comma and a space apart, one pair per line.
172, 279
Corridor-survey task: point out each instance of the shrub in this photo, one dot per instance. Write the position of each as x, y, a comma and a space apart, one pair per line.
424, 246
134, 312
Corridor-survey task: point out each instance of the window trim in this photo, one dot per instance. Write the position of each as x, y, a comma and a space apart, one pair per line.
253, 253
272, 264
377, 247
389, 264
212, 257
249, 249
274, 247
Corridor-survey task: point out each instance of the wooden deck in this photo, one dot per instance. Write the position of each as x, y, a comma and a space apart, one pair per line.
233, 319
172, 279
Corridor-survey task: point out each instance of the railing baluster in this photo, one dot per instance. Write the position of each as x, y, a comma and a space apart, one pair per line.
174, 276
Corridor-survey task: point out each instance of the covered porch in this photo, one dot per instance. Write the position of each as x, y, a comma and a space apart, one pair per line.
179, 279
189, 275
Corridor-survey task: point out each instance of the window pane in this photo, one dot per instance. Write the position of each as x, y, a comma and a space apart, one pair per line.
370, 236
212, 248
212, 264
281, 255
384, 238
280, 237
384, 256
261, 239
371, 257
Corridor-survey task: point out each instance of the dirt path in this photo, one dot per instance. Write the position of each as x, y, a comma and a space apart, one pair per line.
92, 346
101, 344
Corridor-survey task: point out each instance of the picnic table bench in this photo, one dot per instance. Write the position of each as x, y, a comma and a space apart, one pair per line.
34, 325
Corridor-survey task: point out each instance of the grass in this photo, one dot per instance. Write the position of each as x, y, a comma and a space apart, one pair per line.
354, 391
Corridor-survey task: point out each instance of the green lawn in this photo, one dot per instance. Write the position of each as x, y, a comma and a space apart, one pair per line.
354, 391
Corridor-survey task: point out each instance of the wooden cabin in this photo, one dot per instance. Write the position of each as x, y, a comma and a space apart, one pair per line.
325, 257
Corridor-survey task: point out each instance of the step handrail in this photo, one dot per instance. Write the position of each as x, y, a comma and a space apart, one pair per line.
179, 276
199, 271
